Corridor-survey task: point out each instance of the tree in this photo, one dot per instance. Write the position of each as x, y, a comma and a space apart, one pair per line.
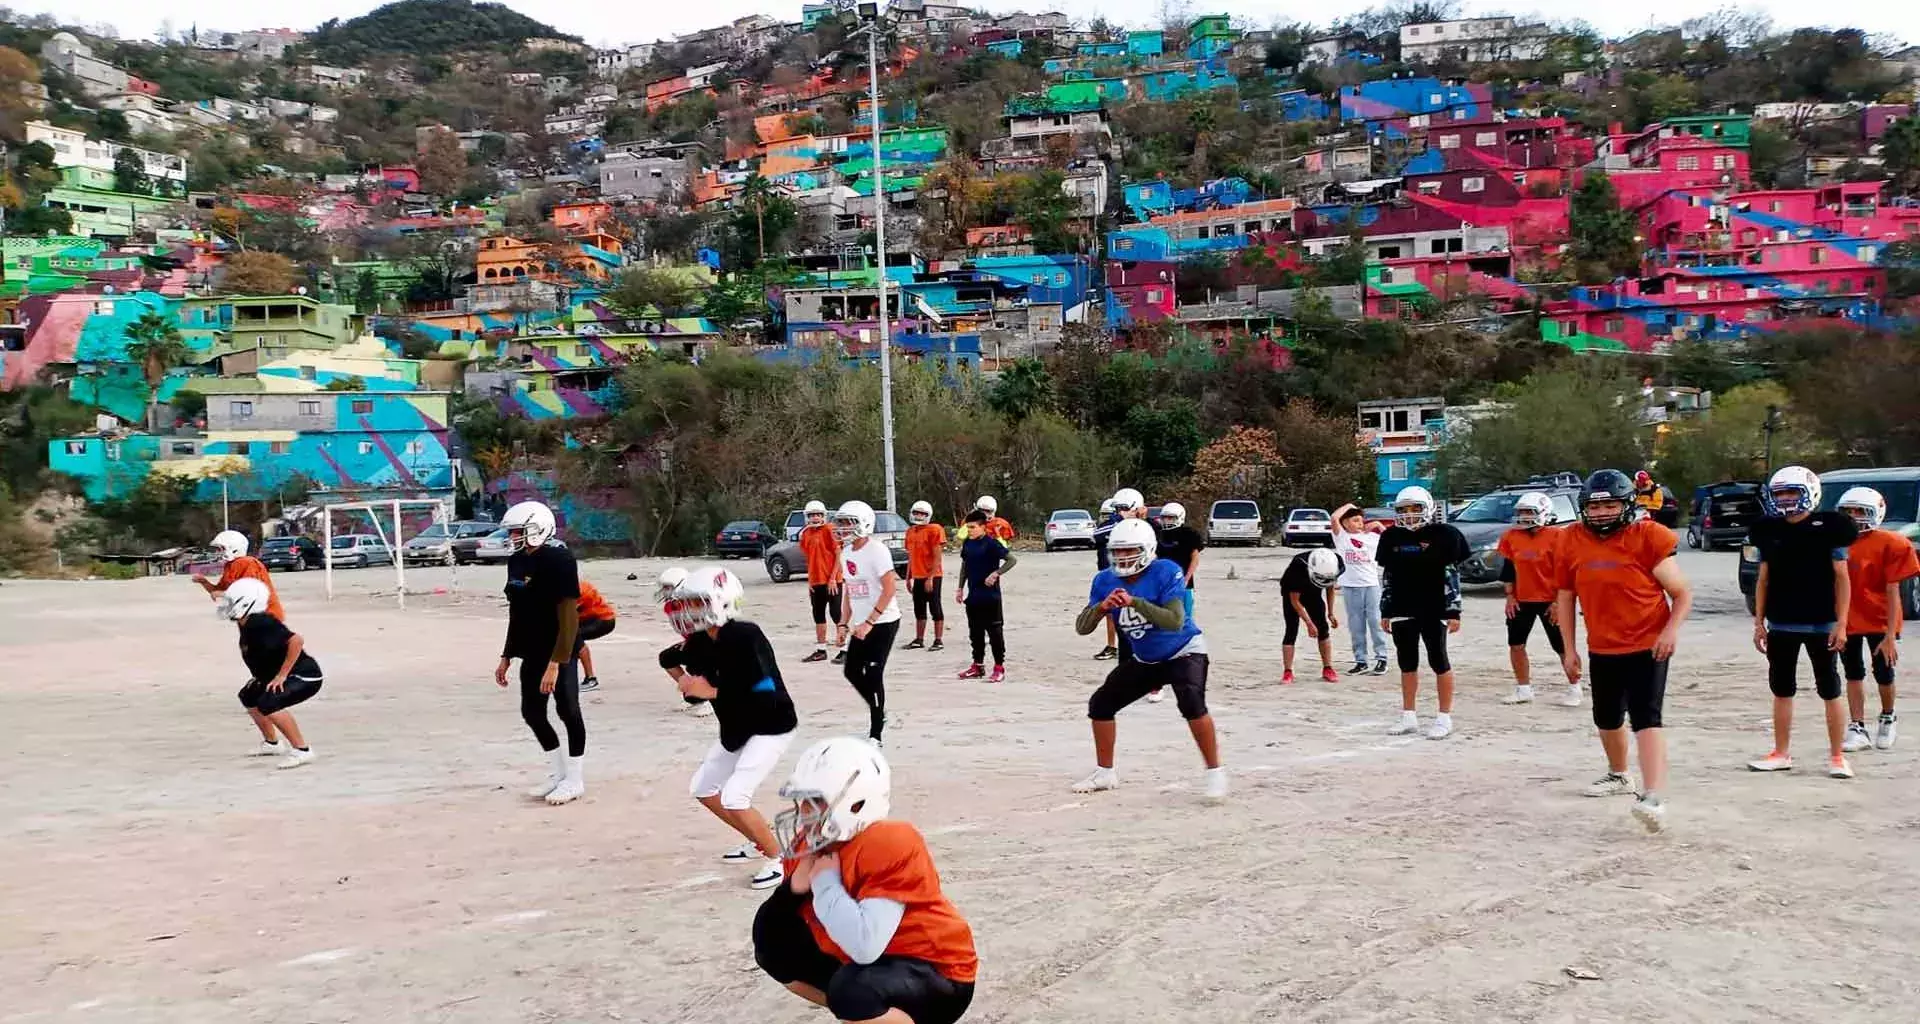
130, 173
19, 74
1166, 437
442, 164
257, 273
154, 342
643, 292
1039, 200
366, 292
1729, 442
1900, 150
755, 195
1582, 419
1603, 233
1023, 389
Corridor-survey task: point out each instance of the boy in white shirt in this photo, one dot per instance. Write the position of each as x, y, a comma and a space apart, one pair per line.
869, 606
1359, 548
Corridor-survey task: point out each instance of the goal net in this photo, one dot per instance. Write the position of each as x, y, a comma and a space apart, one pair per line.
353, 522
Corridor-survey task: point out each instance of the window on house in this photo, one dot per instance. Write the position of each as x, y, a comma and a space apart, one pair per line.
1687, 163
365, 447
240, 410
280, 447
416, 447
1250, 227
1370, 421
1774, 207
1429, 188
1616, 325
309, 408
1388, 252
1386, 275
362, 406
1154, 296
1817, 255
181, 448
1473, 184
1570, 326
1846, 284
1869, 253
1413, 30
1519, 177
1201, 232
76, 447
1435, 99
1449, 142
1723, 162
1396, 469
308, 373
1486, 138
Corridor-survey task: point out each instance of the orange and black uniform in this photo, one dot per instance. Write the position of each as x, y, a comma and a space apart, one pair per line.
1877, 560
926, 542
821, 549
247, 567
1529, 571
928, 968
596, 615
1625, 609
1000, 529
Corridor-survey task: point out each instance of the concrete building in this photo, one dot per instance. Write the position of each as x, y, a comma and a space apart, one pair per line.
1472, 41
66, 53
74, 149
626, 176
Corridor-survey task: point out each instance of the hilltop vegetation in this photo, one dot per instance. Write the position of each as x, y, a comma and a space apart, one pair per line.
419, 27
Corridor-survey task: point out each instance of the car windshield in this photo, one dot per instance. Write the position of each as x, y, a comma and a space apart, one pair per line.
499, 535
279, 542
1238, 510
344, 542
1310, 515
888, 522
1903, 496
1066, 514
1490, 508
796, 519
434, 532
741, 526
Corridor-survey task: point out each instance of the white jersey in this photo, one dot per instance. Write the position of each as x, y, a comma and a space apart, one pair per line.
866, 569
1361, 554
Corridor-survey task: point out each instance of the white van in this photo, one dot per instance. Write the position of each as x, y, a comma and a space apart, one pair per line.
1234, 521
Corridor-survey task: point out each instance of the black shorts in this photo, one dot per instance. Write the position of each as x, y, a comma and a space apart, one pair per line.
1521, 625
826, 603
1854, 659
592, 629
1409, 634
1783, 669
1131, 680
255, 697
926, 599
1315, 603
1627, 687
786, 950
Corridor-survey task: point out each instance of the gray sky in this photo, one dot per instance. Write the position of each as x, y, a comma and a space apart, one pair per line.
605, 24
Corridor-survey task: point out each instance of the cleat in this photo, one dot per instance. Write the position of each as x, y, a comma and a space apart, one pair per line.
1571, 698
265, 749
973, 671
1216, 785
1107, 654
1610, 784
819, 654
1774, 762
1380, 667
295, 758
1888, 731
741, 854
769, 875
937, 645
1408, 724
1857, 738
589, 684
1329, 675
1441, 728
1286, 677
914, 644
1520, 695
1837, 767
1651, 812
999, 674
1156, 696
1101, 779
1358, 667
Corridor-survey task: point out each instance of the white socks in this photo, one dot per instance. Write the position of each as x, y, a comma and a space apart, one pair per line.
573, 783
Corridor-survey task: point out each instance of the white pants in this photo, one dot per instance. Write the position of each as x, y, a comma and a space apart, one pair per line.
1363, 622
733, 775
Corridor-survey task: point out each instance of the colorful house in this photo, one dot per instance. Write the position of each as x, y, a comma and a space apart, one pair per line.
1392, 107
1403, 434
1178, 236
1211, 35
1139, 292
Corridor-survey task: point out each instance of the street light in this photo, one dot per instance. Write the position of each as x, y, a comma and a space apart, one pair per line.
870, 17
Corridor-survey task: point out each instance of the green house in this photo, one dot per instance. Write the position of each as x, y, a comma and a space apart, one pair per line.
1732, 130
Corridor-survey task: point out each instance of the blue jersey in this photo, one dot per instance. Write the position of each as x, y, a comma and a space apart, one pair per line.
1163, 583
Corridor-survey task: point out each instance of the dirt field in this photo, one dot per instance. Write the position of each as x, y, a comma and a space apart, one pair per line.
155, 875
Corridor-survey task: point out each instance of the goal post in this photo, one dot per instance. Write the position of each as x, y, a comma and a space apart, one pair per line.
440, 509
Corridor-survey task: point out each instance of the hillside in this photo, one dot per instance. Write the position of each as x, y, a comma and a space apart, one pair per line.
418, 27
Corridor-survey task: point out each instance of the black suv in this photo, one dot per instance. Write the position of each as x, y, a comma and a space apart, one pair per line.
293, 553
1900, 486
1722, 512
1490, 515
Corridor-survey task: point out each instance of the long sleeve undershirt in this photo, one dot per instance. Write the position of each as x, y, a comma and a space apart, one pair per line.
569, 613
1169, 616
861, 928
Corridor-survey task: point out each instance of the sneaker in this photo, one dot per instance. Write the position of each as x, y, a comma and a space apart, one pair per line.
1610, 784
1156, 696
1571, 698
1216, 785
1774, 762
1520, 695
1837, 767
1329, 675
999, 674
973, 671
914, 644
1286, 677
1651, 812
840, 656
819, 654
1441, 728
1101, 779
1408, 724
589, 683
1857, 738
937, 645
741, 854
1358, 667
769, 875
265, 749
1888, 732
1107, 654
295, 757
1380, 667
704, 709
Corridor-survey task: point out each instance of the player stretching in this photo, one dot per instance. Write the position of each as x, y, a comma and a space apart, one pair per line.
1620, 568
984, 558
728, 661
926, 543
821, 549
283, 673
596, 621
1146, 599
1800, 602
1878, 563
1125, 504
237, 565
1529, 577
869, 604
861, 927
543, 620
669, 581
1420, 603
1307, 591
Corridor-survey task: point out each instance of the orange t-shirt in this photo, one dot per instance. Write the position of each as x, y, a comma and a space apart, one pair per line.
1531, 552
1624, 607
1000, 528
889, 859
1878, 560
592, 605
822, 550
247, 567
925, 544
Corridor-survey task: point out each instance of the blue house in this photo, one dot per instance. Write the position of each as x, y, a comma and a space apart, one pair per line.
1403, 434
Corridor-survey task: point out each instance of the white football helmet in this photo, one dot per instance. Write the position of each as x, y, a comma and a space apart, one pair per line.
1533, 509
706, 599
1413, 507
1126, 499
921, 513
231, 544
1865, 505
243, 598
528, 524
1798, 486
1130, 546
816, 513
1106, 508
838, 787
670, 579
854, 520
1324, 567
988, 505
1173, 515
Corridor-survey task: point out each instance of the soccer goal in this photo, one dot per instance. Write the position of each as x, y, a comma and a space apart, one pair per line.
391, 533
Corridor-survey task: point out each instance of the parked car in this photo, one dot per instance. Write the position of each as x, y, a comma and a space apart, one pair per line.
466, 541
357, 550
743, 538
1484, 520
492, 548
785, 560
796, 521
435, 545
1382, 517
1722, 512
297, 554
1307, 527
1069, 527
1234, 521
1899, 485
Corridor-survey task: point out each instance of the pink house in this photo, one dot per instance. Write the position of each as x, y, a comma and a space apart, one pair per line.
1139, 292
1876, 119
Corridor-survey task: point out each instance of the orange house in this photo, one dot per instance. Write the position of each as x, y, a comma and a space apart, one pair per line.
574, 218
503, 258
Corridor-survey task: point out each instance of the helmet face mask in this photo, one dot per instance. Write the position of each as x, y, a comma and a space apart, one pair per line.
1323, 567
1532, 511
920, 514
1864, 506
853, 521
1173, 515
1130, 547
1126, 499
231, 544
1606, 502
529, 524
1793, 491
838, 787
245, 597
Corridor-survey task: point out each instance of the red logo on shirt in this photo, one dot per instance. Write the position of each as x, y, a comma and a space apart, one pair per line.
852, 568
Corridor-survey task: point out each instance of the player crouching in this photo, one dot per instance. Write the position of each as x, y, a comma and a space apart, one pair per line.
861, 926
284, 674
670, 580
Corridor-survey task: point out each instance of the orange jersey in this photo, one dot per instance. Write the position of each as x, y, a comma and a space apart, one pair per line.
1878, 560
1624, 607
1001, 529
822, 551
592, 605
1531, 554
247, 567
925, 545
889, 859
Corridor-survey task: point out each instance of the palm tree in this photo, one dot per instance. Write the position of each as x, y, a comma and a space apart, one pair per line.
155, 343
756, 192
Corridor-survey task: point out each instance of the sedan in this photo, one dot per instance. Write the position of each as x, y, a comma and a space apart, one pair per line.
1069, 527
437, 544
292, 553
492, 548
743, 538
1307, 527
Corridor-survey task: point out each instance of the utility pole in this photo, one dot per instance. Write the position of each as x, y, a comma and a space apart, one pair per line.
870, 15
1771, 424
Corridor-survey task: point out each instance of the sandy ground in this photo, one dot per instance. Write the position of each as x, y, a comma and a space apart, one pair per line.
152, 874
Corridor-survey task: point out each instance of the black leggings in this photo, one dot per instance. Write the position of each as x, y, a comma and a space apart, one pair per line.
1854, 659
825, 602
986, 624
786, 950
866, 669
593, 629
566, 698
1409, 634
1521, 625
1783, 654
926, 599
1315, 603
